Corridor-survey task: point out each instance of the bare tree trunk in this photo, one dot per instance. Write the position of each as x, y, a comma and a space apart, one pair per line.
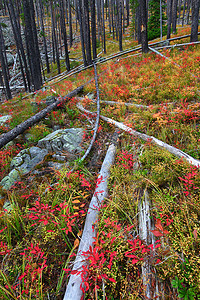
127, 12
19, 44
54, 39
144, 40
70, 23
87, 32
3, 65
81, 31
112, 17
98, 2
64, 34
188, 11
103, 27
174, 15
43, 34
93, 28
195, 20
9, 136
169, 17
120, 25
32, 43
184, 5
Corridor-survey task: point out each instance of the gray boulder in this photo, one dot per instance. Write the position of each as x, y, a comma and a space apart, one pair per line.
10, 179
62, 140
23, 163
4, 119
27, 159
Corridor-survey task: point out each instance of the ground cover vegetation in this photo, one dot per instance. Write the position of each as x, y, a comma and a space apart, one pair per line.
42, 227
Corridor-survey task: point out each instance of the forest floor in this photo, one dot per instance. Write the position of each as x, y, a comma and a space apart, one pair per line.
40, 235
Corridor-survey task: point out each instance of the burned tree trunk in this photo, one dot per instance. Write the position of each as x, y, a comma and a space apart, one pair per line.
144, 40
195, 20
19, 129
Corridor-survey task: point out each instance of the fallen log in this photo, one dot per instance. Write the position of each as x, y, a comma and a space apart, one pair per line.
19, 129
145, 234
158, 53
97, 118
145, 137
73, 290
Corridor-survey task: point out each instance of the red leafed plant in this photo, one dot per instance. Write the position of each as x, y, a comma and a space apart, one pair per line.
159, 231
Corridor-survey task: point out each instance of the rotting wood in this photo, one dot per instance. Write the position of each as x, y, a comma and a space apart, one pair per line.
148, 138
19, 129
73, 290
145, 227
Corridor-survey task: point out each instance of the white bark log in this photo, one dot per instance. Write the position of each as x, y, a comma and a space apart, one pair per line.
73, 291
145, 225
145, 137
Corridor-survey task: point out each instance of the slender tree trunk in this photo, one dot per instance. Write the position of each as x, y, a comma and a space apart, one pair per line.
120, 25
116, 15
64, 34
127, 12
32, 43
43, 34
70, 23
3, 65
138, 25
174, 15
103, 27
144, 40
123, 17
169, 17
179, 10
184, 5
79, 6
112, 17
54, 39
98, 4
87, 32
19, 44
93, 28
195, 20
188, 11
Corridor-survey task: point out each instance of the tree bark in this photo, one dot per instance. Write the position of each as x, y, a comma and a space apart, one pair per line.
87, 32
93, 29
54, 39
103, 27
32, 43
169, 17
174, 15
81, 31
64, 34
41, 12
3, 65
120, 25
70, 23
195, 20
143, 29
